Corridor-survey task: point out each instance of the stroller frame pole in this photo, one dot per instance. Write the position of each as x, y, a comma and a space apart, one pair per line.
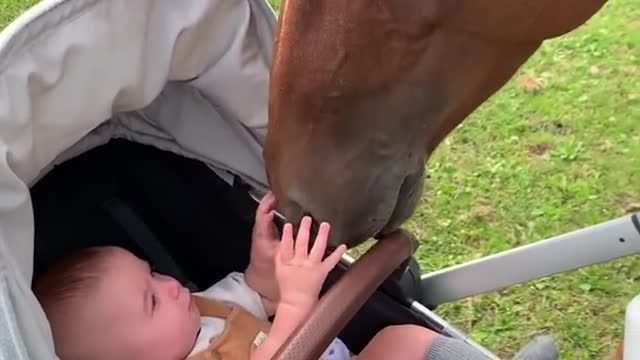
632, 330
588, 246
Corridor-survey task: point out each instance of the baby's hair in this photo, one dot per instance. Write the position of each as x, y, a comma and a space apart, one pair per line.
66, 284
72, 276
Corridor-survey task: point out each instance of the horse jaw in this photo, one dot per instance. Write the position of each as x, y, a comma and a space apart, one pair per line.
363, 91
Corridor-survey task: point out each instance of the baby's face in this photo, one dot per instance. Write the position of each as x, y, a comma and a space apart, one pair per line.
144, 315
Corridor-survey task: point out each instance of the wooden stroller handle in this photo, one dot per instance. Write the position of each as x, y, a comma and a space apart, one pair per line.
341, 302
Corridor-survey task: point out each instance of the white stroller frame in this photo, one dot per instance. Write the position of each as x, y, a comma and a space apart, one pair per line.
39, 130
581, 248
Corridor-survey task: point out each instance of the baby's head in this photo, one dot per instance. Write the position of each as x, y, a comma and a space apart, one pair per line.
105, 303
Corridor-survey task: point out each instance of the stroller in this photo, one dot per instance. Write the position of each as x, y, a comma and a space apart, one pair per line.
145, 119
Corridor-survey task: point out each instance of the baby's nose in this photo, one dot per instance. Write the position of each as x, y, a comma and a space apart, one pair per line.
173, 289
170, 285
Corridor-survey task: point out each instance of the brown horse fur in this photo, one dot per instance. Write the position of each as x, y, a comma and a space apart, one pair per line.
616, 354
363, 91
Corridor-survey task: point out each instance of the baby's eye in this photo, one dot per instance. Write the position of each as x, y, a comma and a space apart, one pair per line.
154, 301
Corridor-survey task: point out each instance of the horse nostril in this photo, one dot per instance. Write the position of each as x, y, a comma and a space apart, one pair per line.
294, 213
313, 229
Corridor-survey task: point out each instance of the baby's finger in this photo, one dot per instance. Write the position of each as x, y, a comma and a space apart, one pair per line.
286, 246
320, 245
271, 201
267, 220
272, 230
332, 260
262, 206
267, 203
302, 241
264, 222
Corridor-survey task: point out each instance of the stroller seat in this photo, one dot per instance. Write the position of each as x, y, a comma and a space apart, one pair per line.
151, 202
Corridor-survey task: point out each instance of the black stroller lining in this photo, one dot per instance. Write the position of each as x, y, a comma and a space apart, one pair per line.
199, 219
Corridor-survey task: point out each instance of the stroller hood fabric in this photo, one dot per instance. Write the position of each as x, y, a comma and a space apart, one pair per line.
187, 76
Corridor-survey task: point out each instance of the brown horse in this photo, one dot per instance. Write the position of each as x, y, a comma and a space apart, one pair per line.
363, 91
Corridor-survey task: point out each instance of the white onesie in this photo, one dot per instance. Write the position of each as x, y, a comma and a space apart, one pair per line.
234, 289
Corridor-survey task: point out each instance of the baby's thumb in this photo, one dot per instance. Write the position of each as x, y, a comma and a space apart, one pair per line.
264, 221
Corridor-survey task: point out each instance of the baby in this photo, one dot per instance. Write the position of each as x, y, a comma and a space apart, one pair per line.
104, 303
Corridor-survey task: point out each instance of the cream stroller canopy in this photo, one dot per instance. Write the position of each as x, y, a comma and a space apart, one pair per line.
186, 76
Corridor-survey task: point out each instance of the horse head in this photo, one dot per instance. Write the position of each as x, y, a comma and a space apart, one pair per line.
363, 91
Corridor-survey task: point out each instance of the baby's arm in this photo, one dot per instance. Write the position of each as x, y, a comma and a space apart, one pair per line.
285, 322
254, 281
300, 278
260, 274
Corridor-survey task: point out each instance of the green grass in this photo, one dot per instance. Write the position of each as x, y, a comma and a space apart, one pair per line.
9, 9
530, 165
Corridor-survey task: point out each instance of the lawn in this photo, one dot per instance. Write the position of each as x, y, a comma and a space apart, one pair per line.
537, 161
557, 149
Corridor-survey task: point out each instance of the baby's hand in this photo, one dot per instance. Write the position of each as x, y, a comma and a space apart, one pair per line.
301, 273
260, 274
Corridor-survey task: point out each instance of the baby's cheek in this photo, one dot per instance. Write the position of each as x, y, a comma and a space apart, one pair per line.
180, 333
191, 333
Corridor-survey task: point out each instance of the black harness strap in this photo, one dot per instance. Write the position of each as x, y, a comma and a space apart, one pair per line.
140, 233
